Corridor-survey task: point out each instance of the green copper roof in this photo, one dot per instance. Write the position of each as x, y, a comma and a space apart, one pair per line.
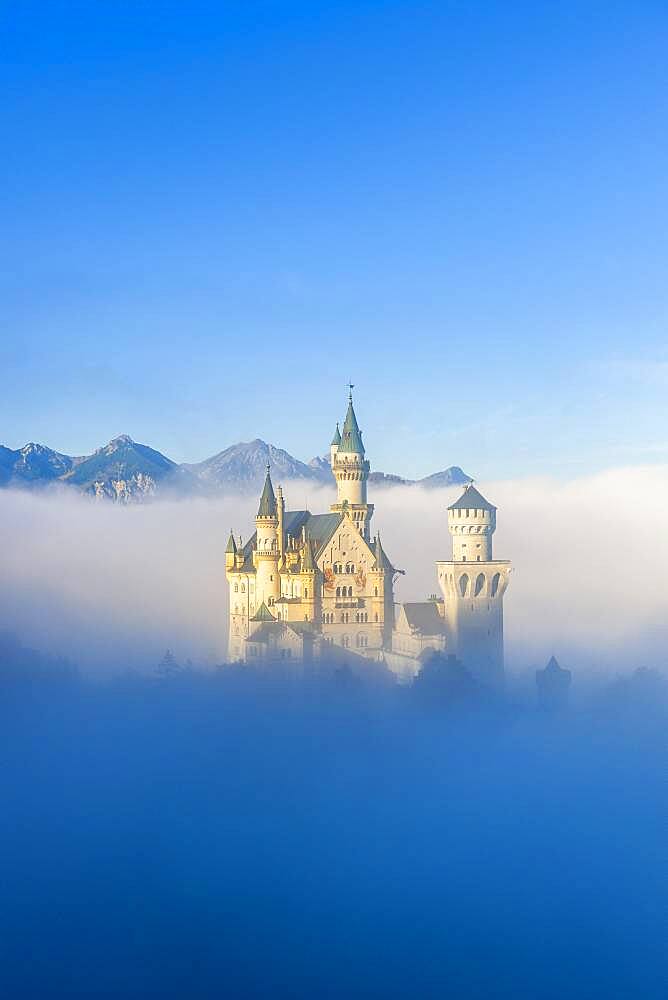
267, 506
471, 499
351, 440
231, 544
337, 436
263, 614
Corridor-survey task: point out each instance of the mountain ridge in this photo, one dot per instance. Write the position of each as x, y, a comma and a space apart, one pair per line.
126, 471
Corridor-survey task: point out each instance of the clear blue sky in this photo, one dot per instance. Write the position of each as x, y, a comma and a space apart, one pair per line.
215, 214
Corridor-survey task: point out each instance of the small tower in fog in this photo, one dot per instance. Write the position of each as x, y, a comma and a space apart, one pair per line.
473, 584
553, 685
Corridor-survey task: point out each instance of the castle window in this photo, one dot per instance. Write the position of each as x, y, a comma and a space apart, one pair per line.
236, 588
463, 584
243, 588
375, 591
350, 591
338, 591
495, 584
376, 616
305, 591
345, 641
479, 584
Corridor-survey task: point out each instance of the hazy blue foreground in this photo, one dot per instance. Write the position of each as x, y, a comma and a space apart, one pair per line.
228, 836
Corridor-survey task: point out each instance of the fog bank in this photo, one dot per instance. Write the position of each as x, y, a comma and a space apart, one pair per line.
115, 586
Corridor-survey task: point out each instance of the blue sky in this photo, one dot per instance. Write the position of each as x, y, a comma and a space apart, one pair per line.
215, 215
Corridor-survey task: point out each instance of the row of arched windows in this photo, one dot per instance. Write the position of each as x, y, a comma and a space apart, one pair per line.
338, 568
464, 584
344, 591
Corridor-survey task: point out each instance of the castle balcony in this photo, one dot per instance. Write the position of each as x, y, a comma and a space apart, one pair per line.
349, 602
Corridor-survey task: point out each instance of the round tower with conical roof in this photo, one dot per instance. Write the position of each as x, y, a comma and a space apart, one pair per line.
351, 472
266, 556
473, 584
471, 522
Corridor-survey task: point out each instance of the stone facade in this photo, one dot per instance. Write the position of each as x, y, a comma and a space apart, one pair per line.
304, 585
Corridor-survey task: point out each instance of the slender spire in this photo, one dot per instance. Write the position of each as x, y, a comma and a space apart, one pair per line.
308, 566
351, 439
336, 440
382, 562
267, 506
231, 546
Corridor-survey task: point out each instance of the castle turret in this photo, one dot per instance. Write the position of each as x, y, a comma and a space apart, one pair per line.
383, 573
230, 552
351, 471
473, 595
471, 522
308, 581
266, 556
335, 445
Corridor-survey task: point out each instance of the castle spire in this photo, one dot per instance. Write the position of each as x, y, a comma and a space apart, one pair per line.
308, 566
382, 562
231, 547
267, 506
336, 440
351, 439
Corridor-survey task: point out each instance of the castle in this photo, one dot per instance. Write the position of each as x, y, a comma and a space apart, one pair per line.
305, 585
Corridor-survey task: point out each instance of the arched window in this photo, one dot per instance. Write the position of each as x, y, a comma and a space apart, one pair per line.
305, 591
236, 588
345, 641
463, 584
243, 588
495, 584
479, 583
376, 616
375, 591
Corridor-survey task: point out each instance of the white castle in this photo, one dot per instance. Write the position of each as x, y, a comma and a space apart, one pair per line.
304, 585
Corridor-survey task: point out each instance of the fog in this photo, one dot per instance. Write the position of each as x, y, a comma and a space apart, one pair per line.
227, 835
113, 587
220, 833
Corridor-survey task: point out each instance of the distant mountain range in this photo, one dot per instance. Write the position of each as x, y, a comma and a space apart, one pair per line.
125, 471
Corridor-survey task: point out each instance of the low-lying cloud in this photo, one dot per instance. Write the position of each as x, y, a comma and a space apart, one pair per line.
115, 586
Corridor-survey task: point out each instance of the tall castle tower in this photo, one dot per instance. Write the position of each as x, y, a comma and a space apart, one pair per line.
351, 471
267, 554
473, 584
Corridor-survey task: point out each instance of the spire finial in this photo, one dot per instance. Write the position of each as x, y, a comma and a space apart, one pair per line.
351, 386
